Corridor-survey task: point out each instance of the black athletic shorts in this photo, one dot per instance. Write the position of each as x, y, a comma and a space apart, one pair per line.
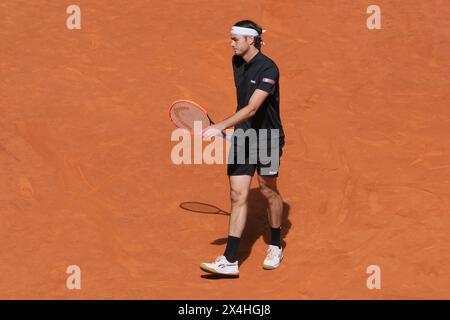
266, 163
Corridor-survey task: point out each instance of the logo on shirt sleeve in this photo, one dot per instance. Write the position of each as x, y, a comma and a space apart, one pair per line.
267, 80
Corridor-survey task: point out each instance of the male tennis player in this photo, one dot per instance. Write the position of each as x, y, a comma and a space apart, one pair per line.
257, 83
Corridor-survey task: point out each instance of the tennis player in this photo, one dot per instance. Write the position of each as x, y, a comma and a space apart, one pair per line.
256, 78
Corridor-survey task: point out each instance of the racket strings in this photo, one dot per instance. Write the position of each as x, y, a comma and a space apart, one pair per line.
185, 115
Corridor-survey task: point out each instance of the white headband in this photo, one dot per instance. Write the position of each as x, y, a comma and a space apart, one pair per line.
245, 31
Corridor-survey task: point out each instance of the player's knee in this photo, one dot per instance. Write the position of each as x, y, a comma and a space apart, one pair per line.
238, 197
268, 192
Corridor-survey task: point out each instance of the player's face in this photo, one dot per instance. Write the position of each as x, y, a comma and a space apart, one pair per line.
240, 44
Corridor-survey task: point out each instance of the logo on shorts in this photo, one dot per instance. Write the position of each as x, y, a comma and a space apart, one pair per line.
252, 81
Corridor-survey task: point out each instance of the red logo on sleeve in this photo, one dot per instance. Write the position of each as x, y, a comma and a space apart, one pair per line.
268, 80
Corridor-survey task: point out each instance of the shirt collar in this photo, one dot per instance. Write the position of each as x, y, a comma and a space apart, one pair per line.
255, 58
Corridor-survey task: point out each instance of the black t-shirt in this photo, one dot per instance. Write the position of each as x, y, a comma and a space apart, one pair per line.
259, 73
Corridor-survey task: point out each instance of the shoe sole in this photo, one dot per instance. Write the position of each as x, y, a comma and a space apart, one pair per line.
267, 267
210, 270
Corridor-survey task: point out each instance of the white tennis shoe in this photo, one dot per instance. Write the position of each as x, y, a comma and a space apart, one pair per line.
221, 266
273, 258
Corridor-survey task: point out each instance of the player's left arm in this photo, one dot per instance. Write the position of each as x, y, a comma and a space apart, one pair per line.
256, 100
265, 87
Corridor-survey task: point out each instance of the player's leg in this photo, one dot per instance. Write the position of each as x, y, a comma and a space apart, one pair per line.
240, 177
239, 188
267, 179
268, 188
228, 264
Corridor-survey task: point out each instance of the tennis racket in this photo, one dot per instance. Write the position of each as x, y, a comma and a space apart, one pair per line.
184, 113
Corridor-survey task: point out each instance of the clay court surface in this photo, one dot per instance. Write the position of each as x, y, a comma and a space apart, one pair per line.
87, 179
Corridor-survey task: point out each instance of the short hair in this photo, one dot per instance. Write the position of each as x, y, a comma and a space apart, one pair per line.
252, 25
